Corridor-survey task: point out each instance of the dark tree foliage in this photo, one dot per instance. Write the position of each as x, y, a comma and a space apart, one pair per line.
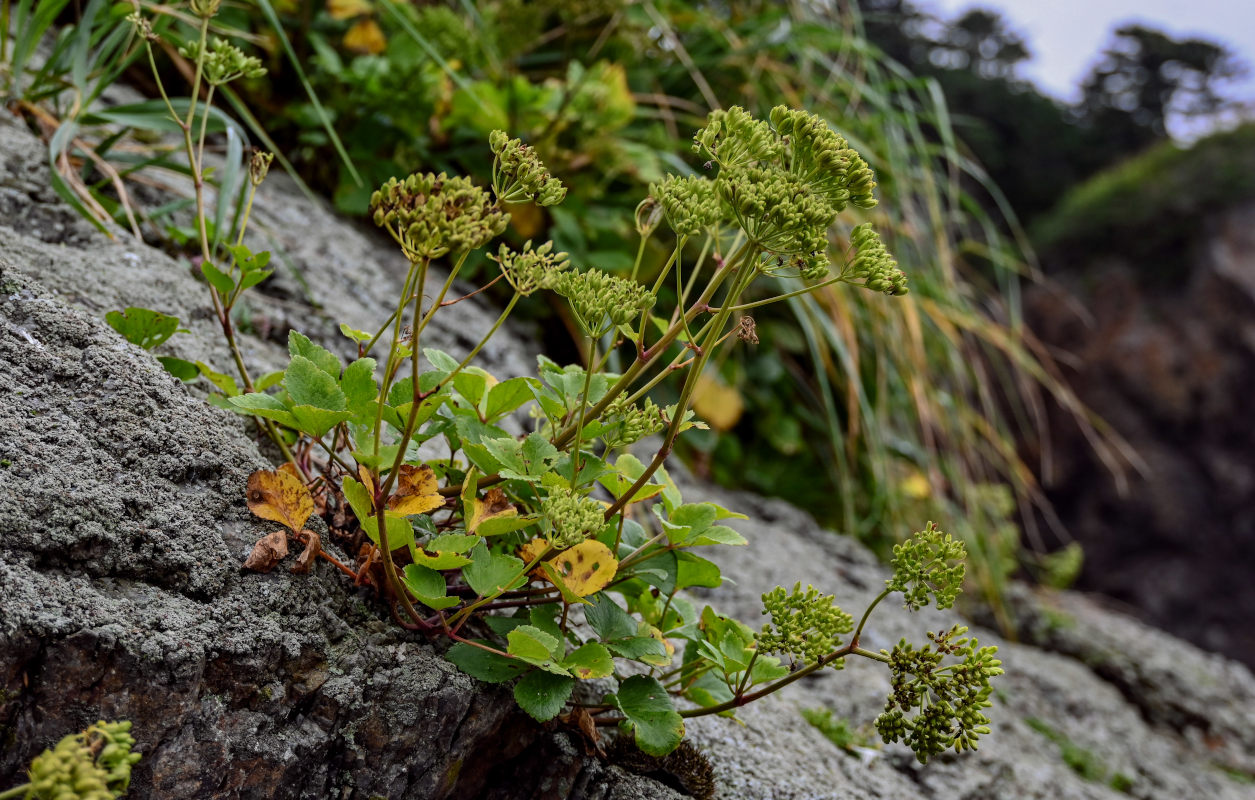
1033, 147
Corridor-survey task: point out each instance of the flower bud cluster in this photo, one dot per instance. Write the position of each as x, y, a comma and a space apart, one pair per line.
223, 61
805, 625
776, 209
518, 174
873, 265
628, 423
823, 159
574, 517
948, 699
259, 166
734, 138
92, 765
930, 563
432, 215
601, 301
528, 270
691, 204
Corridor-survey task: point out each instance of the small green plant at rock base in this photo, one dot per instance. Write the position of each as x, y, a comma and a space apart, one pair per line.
92, 765
555, 556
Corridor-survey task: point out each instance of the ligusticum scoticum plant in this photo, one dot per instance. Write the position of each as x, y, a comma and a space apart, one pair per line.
515, 518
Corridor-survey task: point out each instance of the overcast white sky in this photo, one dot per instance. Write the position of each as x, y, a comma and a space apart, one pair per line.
1066, 35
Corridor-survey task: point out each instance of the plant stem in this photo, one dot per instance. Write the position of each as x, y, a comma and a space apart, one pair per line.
579, 431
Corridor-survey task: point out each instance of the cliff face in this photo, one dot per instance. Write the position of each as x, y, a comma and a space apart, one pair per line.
123, 524
1171, 368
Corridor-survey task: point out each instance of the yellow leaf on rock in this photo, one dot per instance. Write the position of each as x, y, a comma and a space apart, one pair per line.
416, 492
586, 568
279, 496
717, 403
365, 37
346, 9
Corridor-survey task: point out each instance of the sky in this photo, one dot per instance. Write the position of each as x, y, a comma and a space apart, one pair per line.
1065, 36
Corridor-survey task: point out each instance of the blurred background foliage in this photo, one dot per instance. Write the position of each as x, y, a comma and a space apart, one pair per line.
876, 416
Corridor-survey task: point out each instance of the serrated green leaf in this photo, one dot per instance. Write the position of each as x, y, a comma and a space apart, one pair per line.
472, 384
440, 359
652, 717
532, 644
693, 570
608, 619
358, 385
589, 661
264, 405
497, 526
355, 334
527, 460
492, 573
317, 421
543, 694
269, 379
428, 586
300, 345
309, 385
483, 665
507, 396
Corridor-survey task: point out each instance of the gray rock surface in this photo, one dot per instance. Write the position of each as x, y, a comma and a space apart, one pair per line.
122, 524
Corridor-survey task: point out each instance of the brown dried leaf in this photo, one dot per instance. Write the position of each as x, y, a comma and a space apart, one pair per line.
416, 492
268, 552
580, 719
279, 496
313, 546
493, 504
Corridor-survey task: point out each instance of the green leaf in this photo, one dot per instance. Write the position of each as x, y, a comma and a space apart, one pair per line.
492, 573
608, 619
317, 421
428, 586
310, 385
590, 661
300, 345
143, 326
353, 333
533, 645
693, 570
486, 666
269, 379
496, 526
543, 694
652, 717
358, 385
527, 460
218, 279
225, 383
264, 405
183, 370
359, 499
507, 396
440, 359
472, 384
448, 550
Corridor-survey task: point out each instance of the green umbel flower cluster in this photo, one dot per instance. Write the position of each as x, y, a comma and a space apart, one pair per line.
432, 215
574, 517
602, 301
948, 699
629, 423
734, 138
823, 159
776, 209
930, 563
805, 625
224, 62
528, 270
691, 205
519, 175
873, 265
92, 765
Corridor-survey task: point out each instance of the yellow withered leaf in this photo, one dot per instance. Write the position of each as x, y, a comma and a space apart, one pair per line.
416, 492
365, 37
586, 568
279, 496
346, 9
493, 504
717, 403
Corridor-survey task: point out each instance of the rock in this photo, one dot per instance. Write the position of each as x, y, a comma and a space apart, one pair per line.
123, 523
1170, 369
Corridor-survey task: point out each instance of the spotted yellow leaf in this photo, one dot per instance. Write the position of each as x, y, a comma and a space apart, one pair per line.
493, 505
586, 568
416, 491
279, 496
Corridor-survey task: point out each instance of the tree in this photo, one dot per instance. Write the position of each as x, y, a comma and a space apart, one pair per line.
1146, 77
